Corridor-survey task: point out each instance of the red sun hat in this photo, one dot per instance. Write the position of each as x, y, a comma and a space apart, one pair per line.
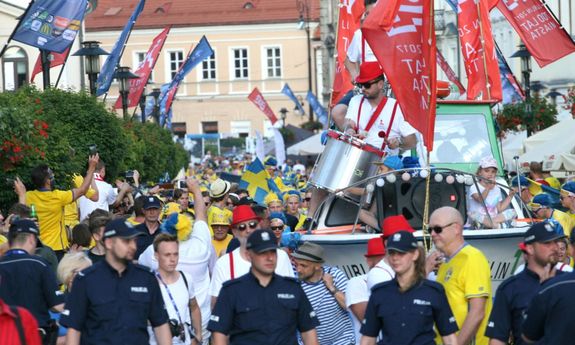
393, 224
375, 247
243, 213
369, 71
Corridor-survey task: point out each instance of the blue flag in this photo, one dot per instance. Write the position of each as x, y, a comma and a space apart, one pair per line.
51, 24
202, 51
257, 181
318, 109
512, 92
163, 100
107, 73
288, 92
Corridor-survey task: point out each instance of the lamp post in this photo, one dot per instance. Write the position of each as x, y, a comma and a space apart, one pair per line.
553, 94
124, 75
525, 57
304, 19
91, 52
156, 92
283, 113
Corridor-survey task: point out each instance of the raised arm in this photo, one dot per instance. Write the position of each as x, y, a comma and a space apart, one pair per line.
92, 162
199, 206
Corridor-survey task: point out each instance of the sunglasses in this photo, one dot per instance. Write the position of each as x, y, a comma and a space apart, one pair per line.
307, 199
252, 225
280, 227
439, 229
367, 84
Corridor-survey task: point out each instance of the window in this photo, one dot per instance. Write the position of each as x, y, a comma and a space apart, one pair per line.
15, 68
241, 128
175, 61
240, 63
209, 68
210, 127
139, 58
273, 62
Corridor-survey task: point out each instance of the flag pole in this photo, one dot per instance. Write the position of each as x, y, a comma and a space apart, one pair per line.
482, 41
63, 65
16, 28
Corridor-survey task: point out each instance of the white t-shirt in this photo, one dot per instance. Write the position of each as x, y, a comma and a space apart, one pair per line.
399, 127
354, 49
106, 197
182, 298
222, 272
195, 255
357, 292
475, 208
380, 273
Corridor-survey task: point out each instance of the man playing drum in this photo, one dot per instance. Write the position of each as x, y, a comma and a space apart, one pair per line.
374, 118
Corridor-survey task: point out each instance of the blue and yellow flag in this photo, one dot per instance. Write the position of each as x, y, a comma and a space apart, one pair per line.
257, 181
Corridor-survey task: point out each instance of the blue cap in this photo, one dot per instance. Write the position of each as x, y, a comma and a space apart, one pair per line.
543, 232
120, 228
402, 241
543, 199
262, 240
393, 162
569, 187
152, 202
24, 226
270, 161
278, 215
522, 180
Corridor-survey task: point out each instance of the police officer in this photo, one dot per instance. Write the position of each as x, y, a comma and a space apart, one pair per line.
26, 280
513, 296
406, 308
262, 307
113, 300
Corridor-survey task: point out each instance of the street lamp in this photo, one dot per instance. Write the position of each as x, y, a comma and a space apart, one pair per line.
553, 94
303, 7
525, 57
123, 75
91, 52
283, 112
156, 92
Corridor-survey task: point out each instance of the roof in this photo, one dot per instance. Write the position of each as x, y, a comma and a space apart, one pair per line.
113, 14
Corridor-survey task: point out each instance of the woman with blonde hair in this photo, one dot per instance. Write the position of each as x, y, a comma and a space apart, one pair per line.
70, 265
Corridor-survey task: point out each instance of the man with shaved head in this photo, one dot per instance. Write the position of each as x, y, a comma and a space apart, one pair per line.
465, 275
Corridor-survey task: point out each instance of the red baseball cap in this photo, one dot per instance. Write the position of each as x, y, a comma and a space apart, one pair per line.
393, 224
243, 213
369, 71
375, 247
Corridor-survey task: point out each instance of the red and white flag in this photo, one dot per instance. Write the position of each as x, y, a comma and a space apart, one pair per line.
350, 12
144, 70
538, 29
56, 59
449, 72
404, 44
258, 99
478, 49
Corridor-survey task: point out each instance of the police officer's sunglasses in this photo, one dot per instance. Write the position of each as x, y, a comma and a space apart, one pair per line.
252, 225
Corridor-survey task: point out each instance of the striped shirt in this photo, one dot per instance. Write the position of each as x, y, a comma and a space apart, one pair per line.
335, 323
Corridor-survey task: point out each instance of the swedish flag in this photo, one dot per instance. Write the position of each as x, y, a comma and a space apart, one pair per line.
257, 181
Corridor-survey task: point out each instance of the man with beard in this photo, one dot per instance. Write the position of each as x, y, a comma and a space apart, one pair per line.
113, 300
540, 248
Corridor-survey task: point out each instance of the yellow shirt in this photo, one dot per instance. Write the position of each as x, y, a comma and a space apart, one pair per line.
220, 246
3, 240
565, 220
71, 216
50, 210
467, 275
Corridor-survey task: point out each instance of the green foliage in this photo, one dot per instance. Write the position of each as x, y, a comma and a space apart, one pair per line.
514, 118
56, 127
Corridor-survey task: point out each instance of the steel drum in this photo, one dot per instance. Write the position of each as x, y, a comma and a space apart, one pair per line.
344, 161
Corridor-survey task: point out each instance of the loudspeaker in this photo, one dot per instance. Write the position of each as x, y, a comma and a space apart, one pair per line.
408, 198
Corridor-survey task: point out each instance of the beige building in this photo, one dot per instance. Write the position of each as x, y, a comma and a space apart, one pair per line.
259, 46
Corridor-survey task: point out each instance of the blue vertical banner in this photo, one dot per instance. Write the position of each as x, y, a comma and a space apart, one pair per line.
286, 90
318, 109
512, 91
107, 73
163, 100
51, 25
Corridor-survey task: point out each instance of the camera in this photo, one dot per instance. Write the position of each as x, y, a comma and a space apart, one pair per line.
93, 149
10, 181
181, 184
177, 330
129, 175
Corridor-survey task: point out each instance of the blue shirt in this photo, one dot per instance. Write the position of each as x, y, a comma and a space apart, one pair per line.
254, 314
28, 281
550, 317
511, 301
408, 317
109, 308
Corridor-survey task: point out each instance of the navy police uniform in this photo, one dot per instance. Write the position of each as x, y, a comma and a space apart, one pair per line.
253, 314
408, 317
511, 301
109, 308
29, 282
550, 316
